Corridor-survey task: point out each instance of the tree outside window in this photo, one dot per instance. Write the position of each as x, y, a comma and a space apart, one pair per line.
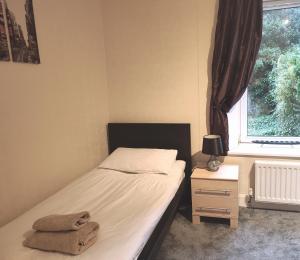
274, 91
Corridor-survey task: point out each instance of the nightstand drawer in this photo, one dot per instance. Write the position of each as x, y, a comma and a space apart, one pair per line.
214, 206
226, 189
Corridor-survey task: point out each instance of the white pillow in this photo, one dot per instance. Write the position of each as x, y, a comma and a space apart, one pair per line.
140, 160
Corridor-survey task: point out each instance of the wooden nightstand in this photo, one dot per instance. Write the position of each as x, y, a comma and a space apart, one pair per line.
215, 194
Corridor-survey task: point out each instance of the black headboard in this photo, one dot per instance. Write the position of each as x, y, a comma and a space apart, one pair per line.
163, 136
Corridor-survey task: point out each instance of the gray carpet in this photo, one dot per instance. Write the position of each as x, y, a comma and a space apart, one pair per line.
262, 234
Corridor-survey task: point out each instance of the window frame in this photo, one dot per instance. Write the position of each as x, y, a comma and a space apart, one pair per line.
244, 138
280, 4
240, 144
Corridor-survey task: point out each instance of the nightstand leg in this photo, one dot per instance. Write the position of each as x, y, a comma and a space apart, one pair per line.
234, 222
196, 219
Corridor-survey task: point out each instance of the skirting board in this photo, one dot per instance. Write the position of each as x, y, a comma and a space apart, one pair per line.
243, 200
274, 206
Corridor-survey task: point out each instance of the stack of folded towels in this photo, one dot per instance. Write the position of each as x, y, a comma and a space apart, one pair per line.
70, 234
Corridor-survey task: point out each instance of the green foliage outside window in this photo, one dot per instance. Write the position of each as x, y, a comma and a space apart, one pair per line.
274, 91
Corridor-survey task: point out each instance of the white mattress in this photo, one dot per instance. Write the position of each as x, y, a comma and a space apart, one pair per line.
127, 207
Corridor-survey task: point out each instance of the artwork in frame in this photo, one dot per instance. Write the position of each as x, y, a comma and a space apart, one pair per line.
22, 31
4, 52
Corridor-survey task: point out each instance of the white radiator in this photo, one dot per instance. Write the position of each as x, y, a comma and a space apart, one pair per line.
277, 182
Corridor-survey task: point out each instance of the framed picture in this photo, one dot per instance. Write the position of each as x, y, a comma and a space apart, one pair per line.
4, 52
22, 31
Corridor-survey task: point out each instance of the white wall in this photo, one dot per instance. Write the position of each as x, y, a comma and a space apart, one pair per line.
157, 60
53, 115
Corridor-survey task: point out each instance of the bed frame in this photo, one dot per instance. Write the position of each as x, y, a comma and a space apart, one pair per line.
164, 136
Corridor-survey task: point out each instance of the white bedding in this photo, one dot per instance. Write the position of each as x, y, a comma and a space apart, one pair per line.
127, 207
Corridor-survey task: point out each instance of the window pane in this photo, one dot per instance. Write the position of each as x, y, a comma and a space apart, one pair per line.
274, 91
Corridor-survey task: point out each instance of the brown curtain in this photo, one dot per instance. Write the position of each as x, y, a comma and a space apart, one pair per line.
237, 40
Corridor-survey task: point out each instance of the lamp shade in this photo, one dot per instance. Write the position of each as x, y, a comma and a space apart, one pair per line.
212, 144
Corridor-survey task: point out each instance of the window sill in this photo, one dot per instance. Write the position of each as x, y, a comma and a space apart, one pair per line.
254, 150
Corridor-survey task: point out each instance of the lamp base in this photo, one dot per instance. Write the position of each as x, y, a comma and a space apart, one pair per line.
213, 164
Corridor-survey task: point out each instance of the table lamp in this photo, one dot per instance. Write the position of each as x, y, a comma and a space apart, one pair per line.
212, 145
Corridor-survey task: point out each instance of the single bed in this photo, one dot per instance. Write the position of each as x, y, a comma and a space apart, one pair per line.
131, 227
164, 136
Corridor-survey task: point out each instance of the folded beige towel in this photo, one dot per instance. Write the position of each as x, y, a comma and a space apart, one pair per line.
62, 222
69, 242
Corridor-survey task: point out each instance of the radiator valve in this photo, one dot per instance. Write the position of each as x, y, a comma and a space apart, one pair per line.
250, 192
250, 197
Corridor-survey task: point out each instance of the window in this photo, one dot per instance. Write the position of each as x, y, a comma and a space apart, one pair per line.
270, 110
